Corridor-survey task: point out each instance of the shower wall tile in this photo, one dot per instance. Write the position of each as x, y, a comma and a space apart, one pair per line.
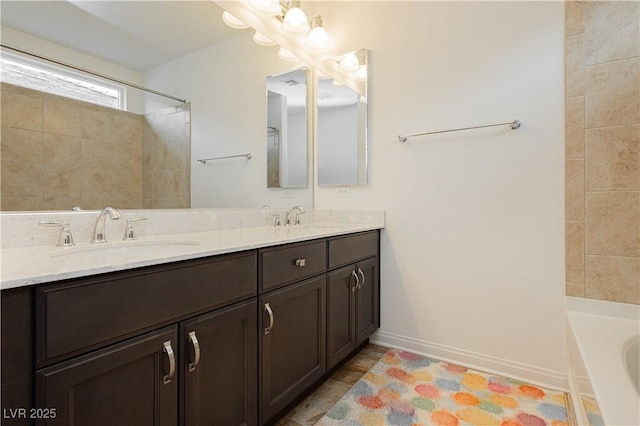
613, 158
72, 146
574, 190
613, 223
574, 66
613, 94
62, 151
574, 128
20, 111
611, 31
21, 147
574, 12
21, 180
613, 278
575, 289
574, 246
62, 118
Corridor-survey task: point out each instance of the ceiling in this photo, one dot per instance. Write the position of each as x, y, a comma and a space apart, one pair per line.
154, 32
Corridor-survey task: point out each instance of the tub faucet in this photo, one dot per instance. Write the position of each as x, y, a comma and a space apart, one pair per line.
98, 230
293, 215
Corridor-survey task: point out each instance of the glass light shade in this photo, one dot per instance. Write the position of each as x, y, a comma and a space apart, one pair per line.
233, 22
361, 74
262, 39
271, 7
286, 55
318, 38
295, 21
350, 62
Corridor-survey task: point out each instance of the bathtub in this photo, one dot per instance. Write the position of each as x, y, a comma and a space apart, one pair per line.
603, 361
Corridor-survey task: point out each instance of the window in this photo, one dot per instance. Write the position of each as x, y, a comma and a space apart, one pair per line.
61, 81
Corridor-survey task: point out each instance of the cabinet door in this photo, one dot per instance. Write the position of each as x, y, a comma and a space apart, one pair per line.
292, 343
341, 316
220, 367
367, 299
130, 383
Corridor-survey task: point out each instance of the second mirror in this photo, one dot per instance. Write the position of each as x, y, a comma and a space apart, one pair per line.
287, 130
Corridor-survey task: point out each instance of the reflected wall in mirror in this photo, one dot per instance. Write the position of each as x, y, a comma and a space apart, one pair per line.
342, 123
287, 130
220, 71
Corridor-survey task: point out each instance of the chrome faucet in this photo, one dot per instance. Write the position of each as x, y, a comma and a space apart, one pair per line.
293, 215
98, 230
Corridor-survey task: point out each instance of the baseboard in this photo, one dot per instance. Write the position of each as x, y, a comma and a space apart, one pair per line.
488, 364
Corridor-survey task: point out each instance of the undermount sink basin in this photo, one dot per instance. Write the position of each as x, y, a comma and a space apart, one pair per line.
136, 248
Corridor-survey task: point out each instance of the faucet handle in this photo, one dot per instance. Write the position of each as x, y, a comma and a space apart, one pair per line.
277, 219
65, 238
129, 232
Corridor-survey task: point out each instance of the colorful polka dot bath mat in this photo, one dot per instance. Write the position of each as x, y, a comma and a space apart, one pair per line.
406, 389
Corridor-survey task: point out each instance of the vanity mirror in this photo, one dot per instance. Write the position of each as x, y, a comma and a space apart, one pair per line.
220, 71
287, 130
342, 123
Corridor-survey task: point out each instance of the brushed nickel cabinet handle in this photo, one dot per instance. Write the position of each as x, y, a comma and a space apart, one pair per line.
361, 274
196, 350
172, 362
267, 307
301, 262
357, 281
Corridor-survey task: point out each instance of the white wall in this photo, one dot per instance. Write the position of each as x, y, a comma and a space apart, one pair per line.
473, 251
338, 145
226, 85
296, 146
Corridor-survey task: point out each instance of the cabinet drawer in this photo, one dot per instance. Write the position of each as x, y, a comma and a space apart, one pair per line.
84, 314
284, 265
348, 249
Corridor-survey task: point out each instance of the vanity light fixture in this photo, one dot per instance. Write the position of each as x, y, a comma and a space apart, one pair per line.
318, 38
262, 39
295, 21
270, 7
286, 55
361, 74
233, 22
349, 62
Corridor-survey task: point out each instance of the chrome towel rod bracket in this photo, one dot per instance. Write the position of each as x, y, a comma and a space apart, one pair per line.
204, 160
514, 124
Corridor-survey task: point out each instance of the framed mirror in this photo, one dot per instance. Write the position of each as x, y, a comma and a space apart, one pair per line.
287, 147
342, 123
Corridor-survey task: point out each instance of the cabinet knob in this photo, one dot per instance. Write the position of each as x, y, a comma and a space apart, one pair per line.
301, 262
362, 275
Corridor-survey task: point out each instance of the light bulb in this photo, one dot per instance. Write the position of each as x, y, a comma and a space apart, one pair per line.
271, 7
318, 38
295, 21
262, 39
233, 22
286, 55
349, 62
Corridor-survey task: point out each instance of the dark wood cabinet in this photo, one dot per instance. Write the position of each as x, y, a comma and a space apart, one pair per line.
352, 294
130, 383
219, 371
292, 343
232, 339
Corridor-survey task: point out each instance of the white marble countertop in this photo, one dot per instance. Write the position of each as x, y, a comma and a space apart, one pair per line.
25, 266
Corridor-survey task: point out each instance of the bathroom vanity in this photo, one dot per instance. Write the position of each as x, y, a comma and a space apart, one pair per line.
229, 339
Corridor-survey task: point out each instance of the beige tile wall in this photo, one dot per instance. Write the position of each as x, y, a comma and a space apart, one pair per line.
166, 161
602, 150
57, 153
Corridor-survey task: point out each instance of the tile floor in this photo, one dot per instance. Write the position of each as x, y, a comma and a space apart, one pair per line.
319, 402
